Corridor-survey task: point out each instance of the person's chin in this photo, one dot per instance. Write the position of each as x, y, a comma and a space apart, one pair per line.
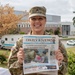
37, 30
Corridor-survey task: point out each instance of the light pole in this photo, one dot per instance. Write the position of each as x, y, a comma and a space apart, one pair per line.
73, 11
74, 19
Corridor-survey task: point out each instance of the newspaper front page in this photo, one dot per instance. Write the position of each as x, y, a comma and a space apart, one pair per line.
40, 54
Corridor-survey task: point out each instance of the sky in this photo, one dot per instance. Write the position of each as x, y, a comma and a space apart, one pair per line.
63, 8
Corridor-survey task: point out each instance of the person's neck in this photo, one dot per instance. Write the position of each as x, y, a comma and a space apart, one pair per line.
38, 33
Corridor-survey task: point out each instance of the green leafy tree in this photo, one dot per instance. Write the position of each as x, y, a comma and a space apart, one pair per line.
50, 31
73, 21
57, 31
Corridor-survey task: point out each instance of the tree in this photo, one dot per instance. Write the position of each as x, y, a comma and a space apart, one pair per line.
50, 31
73, 21
8, 20
57, 31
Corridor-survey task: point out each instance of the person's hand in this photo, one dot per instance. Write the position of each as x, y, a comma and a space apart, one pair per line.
20, 55
59, 56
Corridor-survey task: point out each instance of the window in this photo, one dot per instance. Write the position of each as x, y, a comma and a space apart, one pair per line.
12, 39
6, 39
19, 26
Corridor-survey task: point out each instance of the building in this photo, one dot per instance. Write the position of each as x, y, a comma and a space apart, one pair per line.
53, 22
68, 28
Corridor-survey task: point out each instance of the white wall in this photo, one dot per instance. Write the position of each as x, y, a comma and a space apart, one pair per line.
72, 28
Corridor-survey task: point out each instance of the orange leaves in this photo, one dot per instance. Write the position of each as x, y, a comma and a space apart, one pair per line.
8, 20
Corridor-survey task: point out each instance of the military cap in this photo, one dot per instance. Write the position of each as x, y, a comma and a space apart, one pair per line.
37, 11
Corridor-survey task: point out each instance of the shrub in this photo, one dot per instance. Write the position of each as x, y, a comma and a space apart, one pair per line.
71, 63
22, 32
2, 58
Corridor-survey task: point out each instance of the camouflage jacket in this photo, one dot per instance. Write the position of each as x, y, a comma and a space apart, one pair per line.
17, 69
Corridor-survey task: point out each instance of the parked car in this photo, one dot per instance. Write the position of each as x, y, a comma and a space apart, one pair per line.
71, 42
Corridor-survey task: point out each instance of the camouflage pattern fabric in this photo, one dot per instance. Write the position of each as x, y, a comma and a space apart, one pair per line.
17, 69
40, 11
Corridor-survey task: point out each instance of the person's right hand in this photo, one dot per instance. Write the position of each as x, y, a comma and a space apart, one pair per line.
20, 55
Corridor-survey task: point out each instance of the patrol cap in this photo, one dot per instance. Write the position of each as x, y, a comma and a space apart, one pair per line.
37, 11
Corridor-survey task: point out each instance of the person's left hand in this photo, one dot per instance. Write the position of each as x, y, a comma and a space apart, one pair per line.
59, 56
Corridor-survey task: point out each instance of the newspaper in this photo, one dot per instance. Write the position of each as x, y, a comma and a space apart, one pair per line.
40, 54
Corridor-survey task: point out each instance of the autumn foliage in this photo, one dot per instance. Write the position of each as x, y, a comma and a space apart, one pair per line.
8, 20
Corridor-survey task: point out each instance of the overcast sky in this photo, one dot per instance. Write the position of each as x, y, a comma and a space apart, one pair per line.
63, 8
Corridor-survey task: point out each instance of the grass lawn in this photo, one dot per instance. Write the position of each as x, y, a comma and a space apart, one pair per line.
71, 49
4, 51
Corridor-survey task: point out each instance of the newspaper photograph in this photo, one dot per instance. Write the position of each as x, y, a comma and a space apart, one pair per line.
40, 53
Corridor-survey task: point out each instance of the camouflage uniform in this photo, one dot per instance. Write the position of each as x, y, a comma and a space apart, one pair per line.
17, 69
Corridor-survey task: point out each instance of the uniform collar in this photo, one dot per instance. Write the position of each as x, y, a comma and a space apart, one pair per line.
30, 33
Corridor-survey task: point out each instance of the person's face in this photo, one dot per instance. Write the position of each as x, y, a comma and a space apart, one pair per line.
37, 23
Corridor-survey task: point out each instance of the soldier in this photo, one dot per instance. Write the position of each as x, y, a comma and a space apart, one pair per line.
37, 20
